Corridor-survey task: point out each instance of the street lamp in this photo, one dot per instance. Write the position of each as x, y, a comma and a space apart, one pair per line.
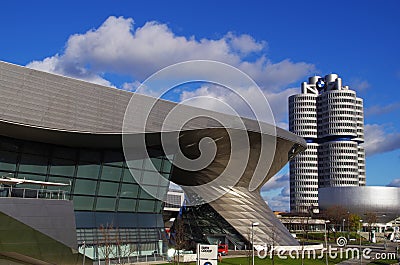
359, 228
383, 230
326, 243
343, 226
348, 225
252, 238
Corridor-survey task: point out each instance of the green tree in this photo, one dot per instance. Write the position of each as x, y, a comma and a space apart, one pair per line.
354, 222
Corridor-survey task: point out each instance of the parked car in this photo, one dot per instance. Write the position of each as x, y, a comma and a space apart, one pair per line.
223, 249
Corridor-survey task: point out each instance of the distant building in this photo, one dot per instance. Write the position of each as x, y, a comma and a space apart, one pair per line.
172, 207
174, 200
330, 118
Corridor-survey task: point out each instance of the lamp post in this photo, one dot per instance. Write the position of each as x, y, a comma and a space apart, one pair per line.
252, 239
359, 228
343, 225
326, 243
348, 225
383, 230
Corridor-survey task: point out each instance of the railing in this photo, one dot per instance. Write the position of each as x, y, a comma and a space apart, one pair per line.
25, 193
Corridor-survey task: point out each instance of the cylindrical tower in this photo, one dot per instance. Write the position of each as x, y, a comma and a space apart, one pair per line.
330, 117
303, 117
360, 120
304, 167
361, 166
337, 114
337, 164
304, 180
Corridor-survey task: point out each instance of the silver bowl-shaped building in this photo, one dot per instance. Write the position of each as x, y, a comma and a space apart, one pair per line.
58, 129
382, 201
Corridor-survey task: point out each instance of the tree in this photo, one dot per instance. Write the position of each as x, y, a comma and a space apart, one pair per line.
106, 242
354, 221
124, 249
180, 238
335, 214
110, 244
370, 219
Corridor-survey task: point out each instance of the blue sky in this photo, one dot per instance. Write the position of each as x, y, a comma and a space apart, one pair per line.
278, 43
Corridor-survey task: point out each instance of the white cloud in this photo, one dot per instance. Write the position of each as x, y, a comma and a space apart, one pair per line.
379, 110
278, 101
131, 86
244, 101
359, 85
378, 141
53, 65
279, 104
119, 48
277, 201
276, 182
280, 202
245, 44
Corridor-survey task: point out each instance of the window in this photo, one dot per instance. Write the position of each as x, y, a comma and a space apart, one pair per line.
105, 204
131, 163
83, 203
108, 189
151, 178
128, 177
129, 190
145, 195
127, 205
33, 164
8, 161
153, 164
62, 167
146, 206
88, 171
86, 187
111, 173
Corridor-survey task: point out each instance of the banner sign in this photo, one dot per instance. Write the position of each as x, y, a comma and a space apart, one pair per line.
207, 254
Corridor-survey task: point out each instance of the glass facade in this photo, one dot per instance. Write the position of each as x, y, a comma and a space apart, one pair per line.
205, 225
102, 188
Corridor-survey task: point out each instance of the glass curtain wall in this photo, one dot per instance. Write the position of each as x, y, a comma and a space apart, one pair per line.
110, 207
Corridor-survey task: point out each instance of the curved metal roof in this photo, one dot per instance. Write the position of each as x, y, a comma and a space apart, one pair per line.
383, 201
54, 109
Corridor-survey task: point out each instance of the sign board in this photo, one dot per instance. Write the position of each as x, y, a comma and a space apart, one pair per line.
207, 254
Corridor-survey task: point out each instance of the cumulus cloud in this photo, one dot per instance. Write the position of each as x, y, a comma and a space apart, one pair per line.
245, 103
359, 85
394, 183
379, 110
280, 202
118, 47
244, 44
276, 182
377, 140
